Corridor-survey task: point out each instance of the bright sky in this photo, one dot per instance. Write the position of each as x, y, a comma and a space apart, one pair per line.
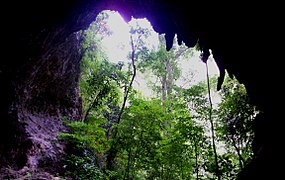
117, 47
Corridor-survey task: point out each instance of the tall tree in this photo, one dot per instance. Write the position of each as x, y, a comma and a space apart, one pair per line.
164, 65
93, 58
137, 33
236, 115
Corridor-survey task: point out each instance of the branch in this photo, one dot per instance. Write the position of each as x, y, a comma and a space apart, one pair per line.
131, 82
113, 151
92, 105
179, 53
241, 159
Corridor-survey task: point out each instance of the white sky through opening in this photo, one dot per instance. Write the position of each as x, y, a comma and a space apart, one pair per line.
117, 46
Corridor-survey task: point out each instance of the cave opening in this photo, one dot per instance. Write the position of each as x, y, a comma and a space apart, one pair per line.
128, 73
39, 78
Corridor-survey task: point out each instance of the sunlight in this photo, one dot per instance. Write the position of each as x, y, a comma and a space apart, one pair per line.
160, 109
117, 23
196, 66
117, 47
152, 41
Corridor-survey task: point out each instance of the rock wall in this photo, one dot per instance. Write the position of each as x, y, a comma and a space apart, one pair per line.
42, 92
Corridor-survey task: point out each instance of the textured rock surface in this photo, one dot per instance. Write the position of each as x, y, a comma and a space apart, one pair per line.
40, 91
40, 67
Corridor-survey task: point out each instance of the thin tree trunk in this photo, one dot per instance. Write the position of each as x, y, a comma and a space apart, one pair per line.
212, 124
240, 158
127, 173
196, 159
89, 109
169, 81
131, 82
163, 89
92, 104
113, 151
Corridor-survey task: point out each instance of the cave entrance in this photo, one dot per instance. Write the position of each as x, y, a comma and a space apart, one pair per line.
110, 36
153, 113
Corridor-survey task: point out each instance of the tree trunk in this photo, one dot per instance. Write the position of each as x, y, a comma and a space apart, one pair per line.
163, 89
169, 81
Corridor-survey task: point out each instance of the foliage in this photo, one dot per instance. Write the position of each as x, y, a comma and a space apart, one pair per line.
83, 167
157, 144
100, 80
87, 141
100, 84
164, 137
163, 65
236, 115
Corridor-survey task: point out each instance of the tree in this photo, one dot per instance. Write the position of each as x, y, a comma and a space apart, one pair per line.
236, 115
163, 64
152, 150
136, 45
93, 58
100, 85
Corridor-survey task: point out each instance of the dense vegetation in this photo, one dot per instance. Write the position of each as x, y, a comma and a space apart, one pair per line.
178, 133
